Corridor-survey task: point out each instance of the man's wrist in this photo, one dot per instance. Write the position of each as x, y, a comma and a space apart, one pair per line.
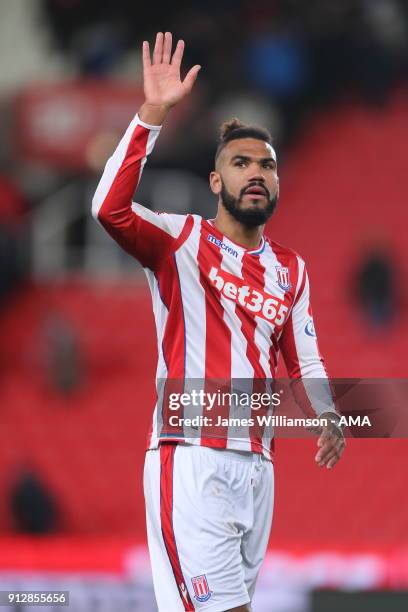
153, 114
332, 418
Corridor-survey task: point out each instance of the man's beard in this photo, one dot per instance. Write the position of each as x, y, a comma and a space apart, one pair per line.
250, 217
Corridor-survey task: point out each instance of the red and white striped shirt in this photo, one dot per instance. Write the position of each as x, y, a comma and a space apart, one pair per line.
221, 311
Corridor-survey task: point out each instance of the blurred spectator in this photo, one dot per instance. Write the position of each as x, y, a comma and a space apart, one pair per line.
64, 362
277, 64
375, 287
294, 53
98, 49
12, 236
33, 508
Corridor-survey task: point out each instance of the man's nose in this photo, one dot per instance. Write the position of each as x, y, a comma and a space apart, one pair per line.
256, 174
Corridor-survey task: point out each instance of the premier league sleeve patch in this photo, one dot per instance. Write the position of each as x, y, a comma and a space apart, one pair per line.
201, 589
310, 329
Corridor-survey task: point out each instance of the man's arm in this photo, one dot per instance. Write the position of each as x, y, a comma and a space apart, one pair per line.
142, 233
304, 363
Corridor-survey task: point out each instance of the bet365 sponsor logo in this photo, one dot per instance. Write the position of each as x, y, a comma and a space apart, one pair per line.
255, 301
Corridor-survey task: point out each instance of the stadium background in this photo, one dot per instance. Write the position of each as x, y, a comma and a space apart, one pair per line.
77, 348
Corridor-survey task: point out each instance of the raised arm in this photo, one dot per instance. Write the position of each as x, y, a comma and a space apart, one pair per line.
144, 234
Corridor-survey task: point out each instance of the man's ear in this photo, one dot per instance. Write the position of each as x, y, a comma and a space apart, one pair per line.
215, 182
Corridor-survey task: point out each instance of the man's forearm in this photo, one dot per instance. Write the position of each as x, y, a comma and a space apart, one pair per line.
153, 115
112, 201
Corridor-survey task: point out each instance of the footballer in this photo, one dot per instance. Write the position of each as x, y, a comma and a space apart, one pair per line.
226, 301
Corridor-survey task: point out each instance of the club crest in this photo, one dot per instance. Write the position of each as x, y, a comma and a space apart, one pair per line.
282, 273
201, 589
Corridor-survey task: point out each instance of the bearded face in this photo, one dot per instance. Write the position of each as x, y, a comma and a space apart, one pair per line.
252, 207
246, 180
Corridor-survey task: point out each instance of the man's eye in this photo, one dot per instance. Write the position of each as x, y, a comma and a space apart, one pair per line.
269, 166
241, 163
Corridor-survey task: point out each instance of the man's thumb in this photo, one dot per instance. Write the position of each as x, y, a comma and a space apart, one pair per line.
191, 77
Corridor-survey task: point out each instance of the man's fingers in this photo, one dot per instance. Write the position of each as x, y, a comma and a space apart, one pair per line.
330, 452
168, 39
331, 444
333, 452
178, 54
333, 458
323, 452
146, 55
158, 49
191, 78
326, 445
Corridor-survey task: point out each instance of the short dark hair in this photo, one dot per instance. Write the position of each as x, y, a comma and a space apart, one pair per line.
234, 129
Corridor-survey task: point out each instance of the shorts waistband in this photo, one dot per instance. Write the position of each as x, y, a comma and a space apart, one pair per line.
240, 455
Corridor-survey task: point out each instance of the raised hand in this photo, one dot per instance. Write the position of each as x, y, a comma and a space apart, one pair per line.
162, 83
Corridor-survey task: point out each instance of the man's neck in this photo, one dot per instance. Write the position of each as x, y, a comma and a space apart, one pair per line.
249, 237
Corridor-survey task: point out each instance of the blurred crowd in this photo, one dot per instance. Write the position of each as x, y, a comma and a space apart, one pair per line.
271, 62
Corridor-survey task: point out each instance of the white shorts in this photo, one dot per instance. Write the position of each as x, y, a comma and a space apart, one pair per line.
209, 515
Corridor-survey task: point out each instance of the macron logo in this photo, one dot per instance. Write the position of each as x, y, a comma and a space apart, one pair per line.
222, 245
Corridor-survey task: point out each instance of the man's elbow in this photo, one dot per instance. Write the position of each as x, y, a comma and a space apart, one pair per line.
314, 368
97, 208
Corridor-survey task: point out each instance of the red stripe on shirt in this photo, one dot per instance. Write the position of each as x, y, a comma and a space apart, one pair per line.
173, 345
286, 259
288, 345
254, 273
142, 239
166, 517
287, 339
217, 339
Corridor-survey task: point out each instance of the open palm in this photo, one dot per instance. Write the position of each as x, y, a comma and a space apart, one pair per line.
161, 75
